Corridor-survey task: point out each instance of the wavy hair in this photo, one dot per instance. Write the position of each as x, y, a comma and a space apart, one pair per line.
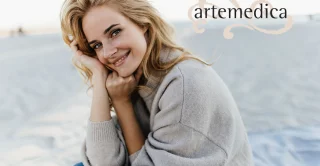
142, 13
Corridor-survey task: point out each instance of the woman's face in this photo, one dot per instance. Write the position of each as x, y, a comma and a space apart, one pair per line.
118, 42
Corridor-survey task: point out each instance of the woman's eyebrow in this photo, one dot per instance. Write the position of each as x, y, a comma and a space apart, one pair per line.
105, 32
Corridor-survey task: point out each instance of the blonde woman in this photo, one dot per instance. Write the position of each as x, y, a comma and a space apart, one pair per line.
171, 107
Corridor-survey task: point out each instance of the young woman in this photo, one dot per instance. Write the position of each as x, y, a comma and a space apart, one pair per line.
171, 107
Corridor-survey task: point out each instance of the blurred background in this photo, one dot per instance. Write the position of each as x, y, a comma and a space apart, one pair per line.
274, 79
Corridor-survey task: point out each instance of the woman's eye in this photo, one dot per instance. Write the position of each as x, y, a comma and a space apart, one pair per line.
96, 46
115, 33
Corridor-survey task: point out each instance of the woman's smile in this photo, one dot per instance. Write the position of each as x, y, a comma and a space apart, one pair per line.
122, 60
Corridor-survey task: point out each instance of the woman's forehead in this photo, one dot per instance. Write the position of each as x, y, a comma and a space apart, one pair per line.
98, 19
102, 13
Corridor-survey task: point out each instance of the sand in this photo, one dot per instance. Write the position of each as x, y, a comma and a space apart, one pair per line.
274, 80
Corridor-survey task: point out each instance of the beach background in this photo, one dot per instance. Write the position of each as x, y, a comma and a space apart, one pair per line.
274, 79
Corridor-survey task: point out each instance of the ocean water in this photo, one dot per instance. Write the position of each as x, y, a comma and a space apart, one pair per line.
273, 78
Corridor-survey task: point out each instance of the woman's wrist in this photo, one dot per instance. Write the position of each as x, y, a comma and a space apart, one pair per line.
121, 101
99, 78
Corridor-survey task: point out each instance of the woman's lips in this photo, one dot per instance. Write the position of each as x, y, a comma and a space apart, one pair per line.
122, 60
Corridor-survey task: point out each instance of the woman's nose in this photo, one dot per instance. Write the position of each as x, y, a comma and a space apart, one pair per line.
108, 51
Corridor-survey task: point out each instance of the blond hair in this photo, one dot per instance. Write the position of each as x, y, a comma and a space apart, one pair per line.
142, 13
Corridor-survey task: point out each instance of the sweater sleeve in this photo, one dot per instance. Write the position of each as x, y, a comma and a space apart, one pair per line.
173, 142
104, 145
178, 145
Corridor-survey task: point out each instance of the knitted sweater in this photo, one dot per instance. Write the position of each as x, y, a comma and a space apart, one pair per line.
190, 118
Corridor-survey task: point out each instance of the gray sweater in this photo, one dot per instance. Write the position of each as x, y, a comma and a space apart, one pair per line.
189, 119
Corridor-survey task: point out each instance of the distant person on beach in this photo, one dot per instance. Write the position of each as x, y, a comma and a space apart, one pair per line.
20, 31
171, 108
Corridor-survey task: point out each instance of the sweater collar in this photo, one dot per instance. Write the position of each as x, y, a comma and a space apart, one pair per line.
153, 82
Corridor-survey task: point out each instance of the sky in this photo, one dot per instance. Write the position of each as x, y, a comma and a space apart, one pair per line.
45, 13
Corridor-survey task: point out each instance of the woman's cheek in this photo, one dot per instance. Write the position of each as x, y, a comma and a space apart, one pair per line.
100, 57
117, 42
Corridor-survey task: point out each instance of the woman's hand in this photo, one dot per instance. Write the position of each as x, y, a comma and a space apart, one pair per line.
119, 88
93, 64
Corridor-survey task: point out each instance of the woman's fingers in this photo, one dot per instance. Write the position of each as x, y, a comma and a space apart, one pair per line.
73, 46
79, 56
77, 53
76, 56
78, 59
86, 60
75, 61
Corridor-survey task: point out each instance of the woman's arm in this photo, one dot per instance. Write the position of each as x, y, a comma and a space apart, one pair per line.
104, 144
131, 130
100, 110
121, 90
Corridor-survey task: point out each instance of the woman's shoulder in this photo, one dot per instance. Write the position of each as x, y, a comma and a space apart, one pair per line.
188, 66
191, 73
199, 89
195, 71
198, 79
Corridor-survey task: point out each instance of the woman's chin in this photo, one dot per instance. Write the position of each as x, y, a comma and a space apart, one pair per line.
124, 74
127, 72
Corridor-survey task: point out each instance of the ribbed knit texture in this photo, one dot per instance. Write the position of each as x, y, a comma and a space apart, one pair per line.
101, 131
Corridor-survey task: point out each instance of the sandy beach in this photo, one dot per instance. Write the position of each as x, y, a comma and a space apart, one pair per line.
273, 78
